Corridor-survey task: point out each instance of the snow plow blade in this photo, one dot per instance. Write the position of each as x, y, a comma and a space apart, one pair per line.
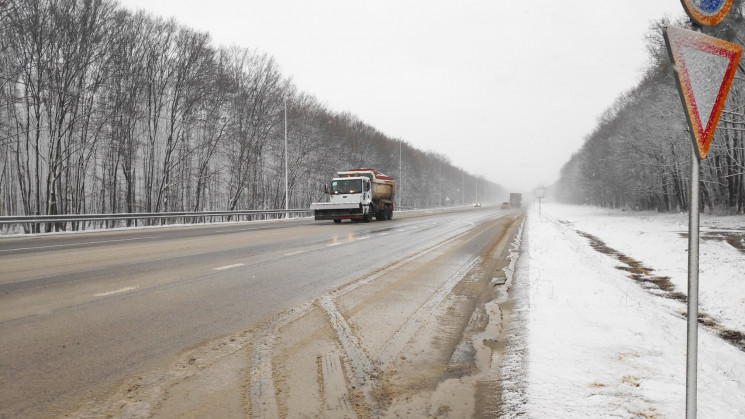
330, 211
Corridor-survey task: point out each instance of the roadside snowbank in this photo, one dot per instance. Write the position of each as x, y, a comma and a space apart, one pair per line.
599, 344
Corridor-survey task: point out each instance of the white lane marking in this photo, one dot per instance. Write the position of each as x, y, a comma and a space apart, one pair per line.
222, 268
332, 244
295, 253
51, 246
119, 291
363, 238
384, 234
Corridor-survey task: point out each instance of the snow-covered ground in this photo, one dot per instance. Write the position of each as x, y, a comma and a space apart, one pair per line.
592, 342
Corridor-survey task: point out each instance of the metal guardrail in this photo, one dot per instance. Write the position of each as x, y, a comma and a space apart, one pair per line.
85, 222
34, 223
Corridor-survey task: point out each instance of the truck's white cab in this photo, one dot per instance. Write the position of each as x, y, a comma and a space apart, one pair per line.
351, 190
349, 198
359, 194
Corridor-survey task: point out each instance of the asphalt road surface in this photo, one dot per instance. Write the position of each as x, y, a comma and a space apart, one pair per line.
81, 312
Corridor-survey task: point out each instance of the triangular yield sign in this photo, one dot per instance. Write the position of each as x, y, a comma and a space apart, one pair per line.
705, 67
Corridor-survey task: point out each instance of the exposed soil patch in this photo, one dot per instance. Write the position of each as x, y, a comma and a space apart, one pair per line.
734, 239
637, 271
734, 336
661, 285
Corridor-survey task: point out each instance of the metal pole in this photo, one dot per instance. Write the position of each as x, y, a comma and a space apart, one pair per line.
400, 174
287, 193
693, 240
692, 313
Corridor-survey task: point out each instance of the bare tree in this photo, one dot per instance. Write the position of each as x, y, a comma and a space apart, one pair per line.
256, 113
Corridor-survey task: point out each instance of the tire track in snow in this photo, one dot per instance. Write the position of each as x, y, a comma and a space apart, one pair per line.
398, 341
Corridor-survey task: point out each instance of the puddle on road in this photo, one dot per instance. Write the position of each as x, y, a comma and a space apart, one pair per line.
661, 285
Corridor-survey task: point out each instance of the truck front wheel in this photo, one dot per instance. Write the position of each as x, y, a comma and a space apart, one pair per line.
337, 221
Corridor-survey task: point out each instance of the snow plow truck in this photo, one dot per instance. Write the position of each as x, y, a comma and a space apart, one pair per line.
358, 195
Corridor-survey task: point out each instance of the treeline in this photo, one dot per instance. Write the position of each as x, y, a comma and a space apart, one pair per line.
103, 110
639, 155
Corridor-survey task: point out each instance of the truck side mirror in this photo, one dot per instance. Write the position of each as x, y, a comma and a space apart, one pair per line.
326, 188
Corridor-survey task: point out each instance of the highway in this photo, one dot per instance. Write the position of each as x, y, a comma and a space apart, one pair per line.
79, 313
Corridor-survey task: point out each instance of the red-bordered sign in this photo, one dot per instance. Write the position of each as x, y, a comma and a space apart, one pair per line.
707, 12
705, 67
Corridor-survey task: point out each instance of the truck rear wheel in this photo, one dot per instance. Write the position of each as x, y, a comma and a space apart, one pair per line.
337, 221
389, 212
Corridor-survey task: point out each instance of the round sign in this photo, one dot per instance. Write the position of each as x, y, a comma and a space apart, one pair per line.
707, 12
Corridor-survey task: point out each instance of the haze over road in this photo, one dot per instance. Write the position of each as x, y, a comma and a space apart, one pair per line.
80, 312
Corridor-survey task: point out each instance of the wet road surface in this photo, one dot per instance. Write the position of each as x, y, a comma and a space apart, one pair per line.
80, 312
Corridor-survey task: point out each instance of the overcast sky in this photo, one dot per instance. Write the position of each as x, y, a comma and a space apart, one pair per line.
506, 89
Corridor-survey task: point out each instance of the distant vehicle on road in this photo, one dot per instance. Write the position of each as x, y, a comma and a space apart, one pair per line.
505, 205
477, 204
358, 195
516, 199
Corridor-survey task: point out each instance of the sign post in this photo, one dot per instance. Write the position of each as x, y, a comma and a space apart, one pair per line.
692, 312
705, 67
539, 193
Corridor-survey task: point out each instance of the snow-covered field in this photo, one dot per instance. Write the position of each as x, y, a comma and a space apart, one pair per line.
598, 343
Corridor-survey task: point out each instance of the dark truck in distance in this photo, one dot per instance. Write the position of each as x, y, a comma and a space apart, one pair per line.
516, 200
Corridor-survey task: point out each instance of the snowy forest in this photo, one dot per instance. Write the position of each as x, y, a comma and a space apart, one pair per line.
638, 156
105, 110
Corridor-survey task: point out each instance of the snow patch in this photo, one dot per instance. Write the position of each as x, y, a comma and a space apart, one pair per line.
598, 344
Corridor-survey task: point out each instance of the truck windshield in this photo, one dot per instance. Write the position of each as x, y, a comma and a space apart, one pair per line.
346, 186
